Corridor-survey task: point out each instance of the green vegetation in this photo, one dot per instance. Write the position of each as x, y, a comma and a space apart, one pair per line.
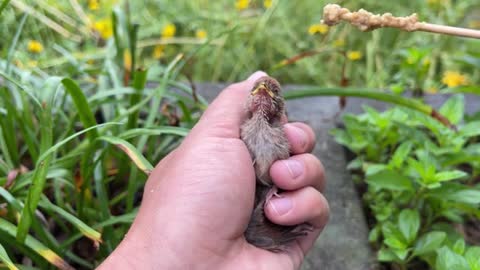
86, 91
421, 182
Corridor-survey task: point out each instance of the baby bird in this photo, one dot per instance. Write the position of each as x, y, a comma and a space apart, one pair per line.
263, 134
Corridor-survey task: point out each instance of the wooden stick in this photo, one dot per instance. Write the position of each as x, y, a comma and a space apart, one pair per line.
449, 30
367, 21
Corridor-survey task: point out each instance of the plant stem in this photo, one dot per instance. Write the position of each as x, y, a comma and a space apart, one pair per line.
366, 93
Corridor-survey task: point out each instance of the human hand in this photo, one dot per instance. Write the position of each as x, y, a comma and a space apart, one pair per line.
198, 200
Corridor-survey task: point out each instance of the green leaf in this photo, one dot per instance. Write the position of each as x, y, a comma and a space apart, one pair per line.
81, 104
389, 180
449, 175
453, 109
401, 253
374, 234
371, 169
471, 129
459, 246
355, 164
393, 237
456, 193
429, 242
6, 260
400, 154
132, 153
449, 260
386, 255
409, 223
473, 257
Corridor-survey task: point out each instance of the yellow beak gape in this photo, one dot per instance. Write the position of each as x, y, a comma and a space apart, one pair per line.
262, 87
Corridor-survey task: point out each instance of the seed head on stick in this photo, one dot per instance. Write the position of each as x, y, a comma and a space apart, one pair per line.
367, 21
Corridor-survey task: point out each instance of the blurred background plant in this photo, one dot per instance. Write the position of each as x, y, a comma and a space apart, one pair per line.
81, 77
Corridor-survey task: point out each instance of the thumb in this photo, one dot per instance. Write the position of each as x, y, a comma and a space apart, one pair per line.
226, 113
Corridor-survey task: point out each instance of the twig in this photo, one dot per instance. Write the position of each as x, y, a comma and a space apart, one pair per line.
367, 21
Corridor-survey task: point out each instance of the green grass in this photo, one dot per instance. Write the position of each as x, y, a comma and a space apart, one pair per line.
82, 122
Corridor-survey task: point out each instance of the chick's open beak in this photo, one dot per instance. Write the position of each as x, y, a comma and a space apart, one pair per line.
263, 87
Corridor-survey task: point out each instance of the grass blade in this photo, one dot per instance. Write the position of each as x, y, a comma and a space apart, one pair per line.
180, 131
132, 153
371, 94
14, 42
90, 233
86, 116
35, 245
8, 127
55, 147
6, 260
38, 182
39, 175
19, 85
139, 81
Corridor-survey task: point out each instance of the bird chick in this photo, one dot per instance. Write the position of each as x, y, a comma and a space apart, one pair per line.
266, 141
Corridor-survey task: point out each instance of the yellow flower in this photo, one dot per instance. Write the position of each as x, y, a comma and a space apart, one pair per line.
354, 55
454, 78
158, 51
93, 4
104, 28
267, 3
242, 4
201, 34
169, 30
318, 28
35, 46
339, 42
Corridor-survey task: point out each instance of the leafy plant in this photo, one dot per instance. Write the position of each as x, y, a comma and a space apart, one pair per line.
419, 175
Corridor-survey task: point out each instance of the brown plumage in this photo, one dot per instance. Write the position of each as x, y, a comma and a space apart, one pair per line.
263, 134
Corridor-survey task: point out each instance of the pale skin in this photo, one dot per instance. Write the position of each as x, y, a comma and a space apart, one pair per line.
198, 200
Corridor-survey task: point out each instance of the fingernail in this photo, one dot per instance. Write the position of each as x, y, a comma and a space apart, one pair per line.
294, 167
256, 75
281, 206
299, 134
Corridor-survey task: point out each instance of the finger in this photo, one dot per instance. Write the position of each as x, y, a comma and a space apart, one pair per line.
298, 172
227, 112
300, 137
297, 207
